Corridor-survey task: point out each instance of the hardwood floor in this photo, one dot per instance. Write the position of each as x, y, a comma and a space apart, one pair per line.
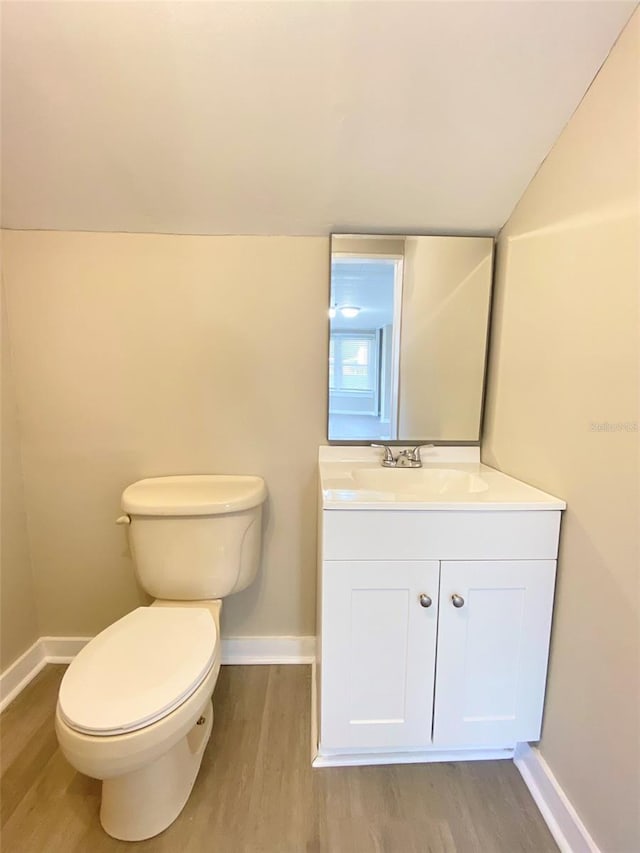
257, 792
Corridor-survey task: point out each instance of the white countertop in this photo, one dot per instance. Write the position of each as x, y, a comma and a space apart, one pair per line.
454, 479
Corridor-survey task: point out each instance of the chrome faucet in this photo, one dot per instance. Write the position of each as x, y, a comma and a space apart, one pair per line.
408, 457
388, 459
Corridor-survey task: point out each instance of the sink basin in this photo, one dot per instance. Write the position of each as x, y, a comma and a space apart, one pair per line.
416, 481
452, 479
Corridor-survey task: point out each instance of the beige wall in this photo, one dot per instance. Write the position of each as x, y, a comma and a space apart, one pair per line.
360, 244
18, 617
565, 356
142, 355
445, 307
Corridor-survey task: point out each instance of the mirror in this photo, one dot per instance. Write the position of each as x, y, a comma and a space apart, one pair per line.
407, 337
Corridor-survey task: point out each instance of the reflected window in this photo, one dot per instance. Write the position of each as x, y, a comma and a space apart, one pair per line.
353, 363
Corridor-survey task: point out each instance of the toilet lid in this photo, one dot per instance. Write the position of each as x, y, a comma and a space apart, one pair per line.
138, 670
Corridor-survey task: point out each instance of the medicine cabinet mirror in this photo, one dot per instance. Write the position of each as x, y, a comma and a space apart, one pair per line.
408, 320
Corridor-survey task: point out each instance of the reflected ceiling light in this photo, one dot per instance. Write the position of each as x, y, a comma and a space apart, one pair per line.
332, 312
349, 311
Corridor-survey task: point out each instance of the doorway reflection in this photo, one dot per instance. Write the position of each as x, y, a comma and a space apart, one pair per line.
363, 345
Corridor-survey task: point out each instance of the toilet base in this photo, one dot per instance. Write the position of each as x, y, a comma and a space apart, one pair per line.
142, 804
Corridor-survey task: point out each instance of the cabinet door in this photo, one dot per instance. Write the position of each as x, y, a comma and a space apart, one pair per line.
378, 653
492, 651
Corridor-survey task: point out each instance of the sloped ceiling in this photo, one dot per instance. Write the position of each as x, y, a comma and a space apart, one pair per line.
287, 117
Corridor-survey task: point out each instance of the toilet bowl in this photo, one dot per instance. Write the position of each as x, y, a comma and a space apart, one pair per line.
134, 707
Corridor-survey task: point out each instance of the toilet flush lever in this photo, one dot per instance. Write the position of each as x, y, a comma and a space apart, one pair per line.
124, 519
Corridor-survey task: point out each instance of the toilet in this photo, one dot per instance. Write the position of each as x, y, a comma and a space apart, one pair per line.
134, 707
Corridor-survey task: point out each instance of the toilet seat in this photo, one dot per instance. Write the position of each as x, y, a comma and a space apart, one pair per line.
138, 670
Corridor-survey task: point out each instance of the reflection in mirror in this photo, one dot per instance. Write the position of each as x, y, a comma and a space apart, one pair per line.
408, 328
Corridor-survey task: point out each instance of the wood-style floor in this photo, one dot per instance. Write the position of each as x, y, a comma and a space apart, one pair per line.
257, 792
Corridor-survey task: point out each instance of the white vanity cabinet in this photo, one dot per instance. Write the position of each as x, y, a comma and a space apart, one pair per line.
492, 651
379, 652
441, 648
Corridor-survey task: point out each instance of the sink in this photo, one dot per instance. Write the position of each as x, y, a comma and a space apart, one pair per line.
451, 479
416, 481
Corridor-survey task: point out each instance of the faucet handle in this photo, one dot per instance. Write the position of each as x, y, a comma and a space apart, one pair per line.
413, 453
387, 458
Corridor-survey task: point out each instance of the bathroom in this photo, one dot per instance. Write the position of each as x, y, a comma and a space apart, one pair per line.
172, 174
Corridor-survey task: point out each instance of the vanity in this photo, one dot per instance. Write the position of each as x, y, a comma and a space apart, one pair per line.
435, 598
436, 573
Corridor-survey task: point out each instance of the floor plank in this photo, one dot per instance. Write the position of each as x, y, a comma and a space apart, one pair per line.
257, 792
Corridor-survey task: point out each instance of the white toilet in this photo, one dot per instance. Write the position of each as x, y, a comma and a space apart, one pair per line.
134, 707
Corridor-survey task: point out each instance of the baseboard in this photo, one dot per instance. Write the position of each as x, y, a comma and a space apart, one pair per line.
314, 711
235, 650
427, 756
263, 650
564, 823
62, 649
16, 677
45, 650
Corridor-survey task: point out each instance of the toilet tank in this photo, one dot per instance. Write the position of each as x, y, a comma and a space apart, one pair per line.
196, 536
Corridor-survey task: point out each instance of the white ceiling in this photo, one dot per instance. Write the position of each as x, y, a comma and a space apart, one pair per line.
287, 117
368, 286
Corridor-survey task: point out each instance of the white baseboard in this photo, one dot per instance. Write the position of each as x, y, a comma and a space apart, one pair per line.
252, 650
426, 756
314, 711
16, 677
235, 650
62, 649
564, 823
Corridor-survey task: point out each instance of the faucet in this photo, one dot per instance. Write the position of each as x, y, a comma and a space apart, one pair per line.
408, 457
388, 459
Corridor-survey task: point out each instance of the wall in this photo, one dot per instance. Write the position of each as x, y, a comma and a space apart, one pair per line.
444, 333
18, 616
565, 358
142, 355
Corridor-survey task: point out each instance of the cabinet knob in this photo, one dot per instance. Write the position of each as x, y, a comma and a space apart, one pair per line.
424, 599
457, 600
